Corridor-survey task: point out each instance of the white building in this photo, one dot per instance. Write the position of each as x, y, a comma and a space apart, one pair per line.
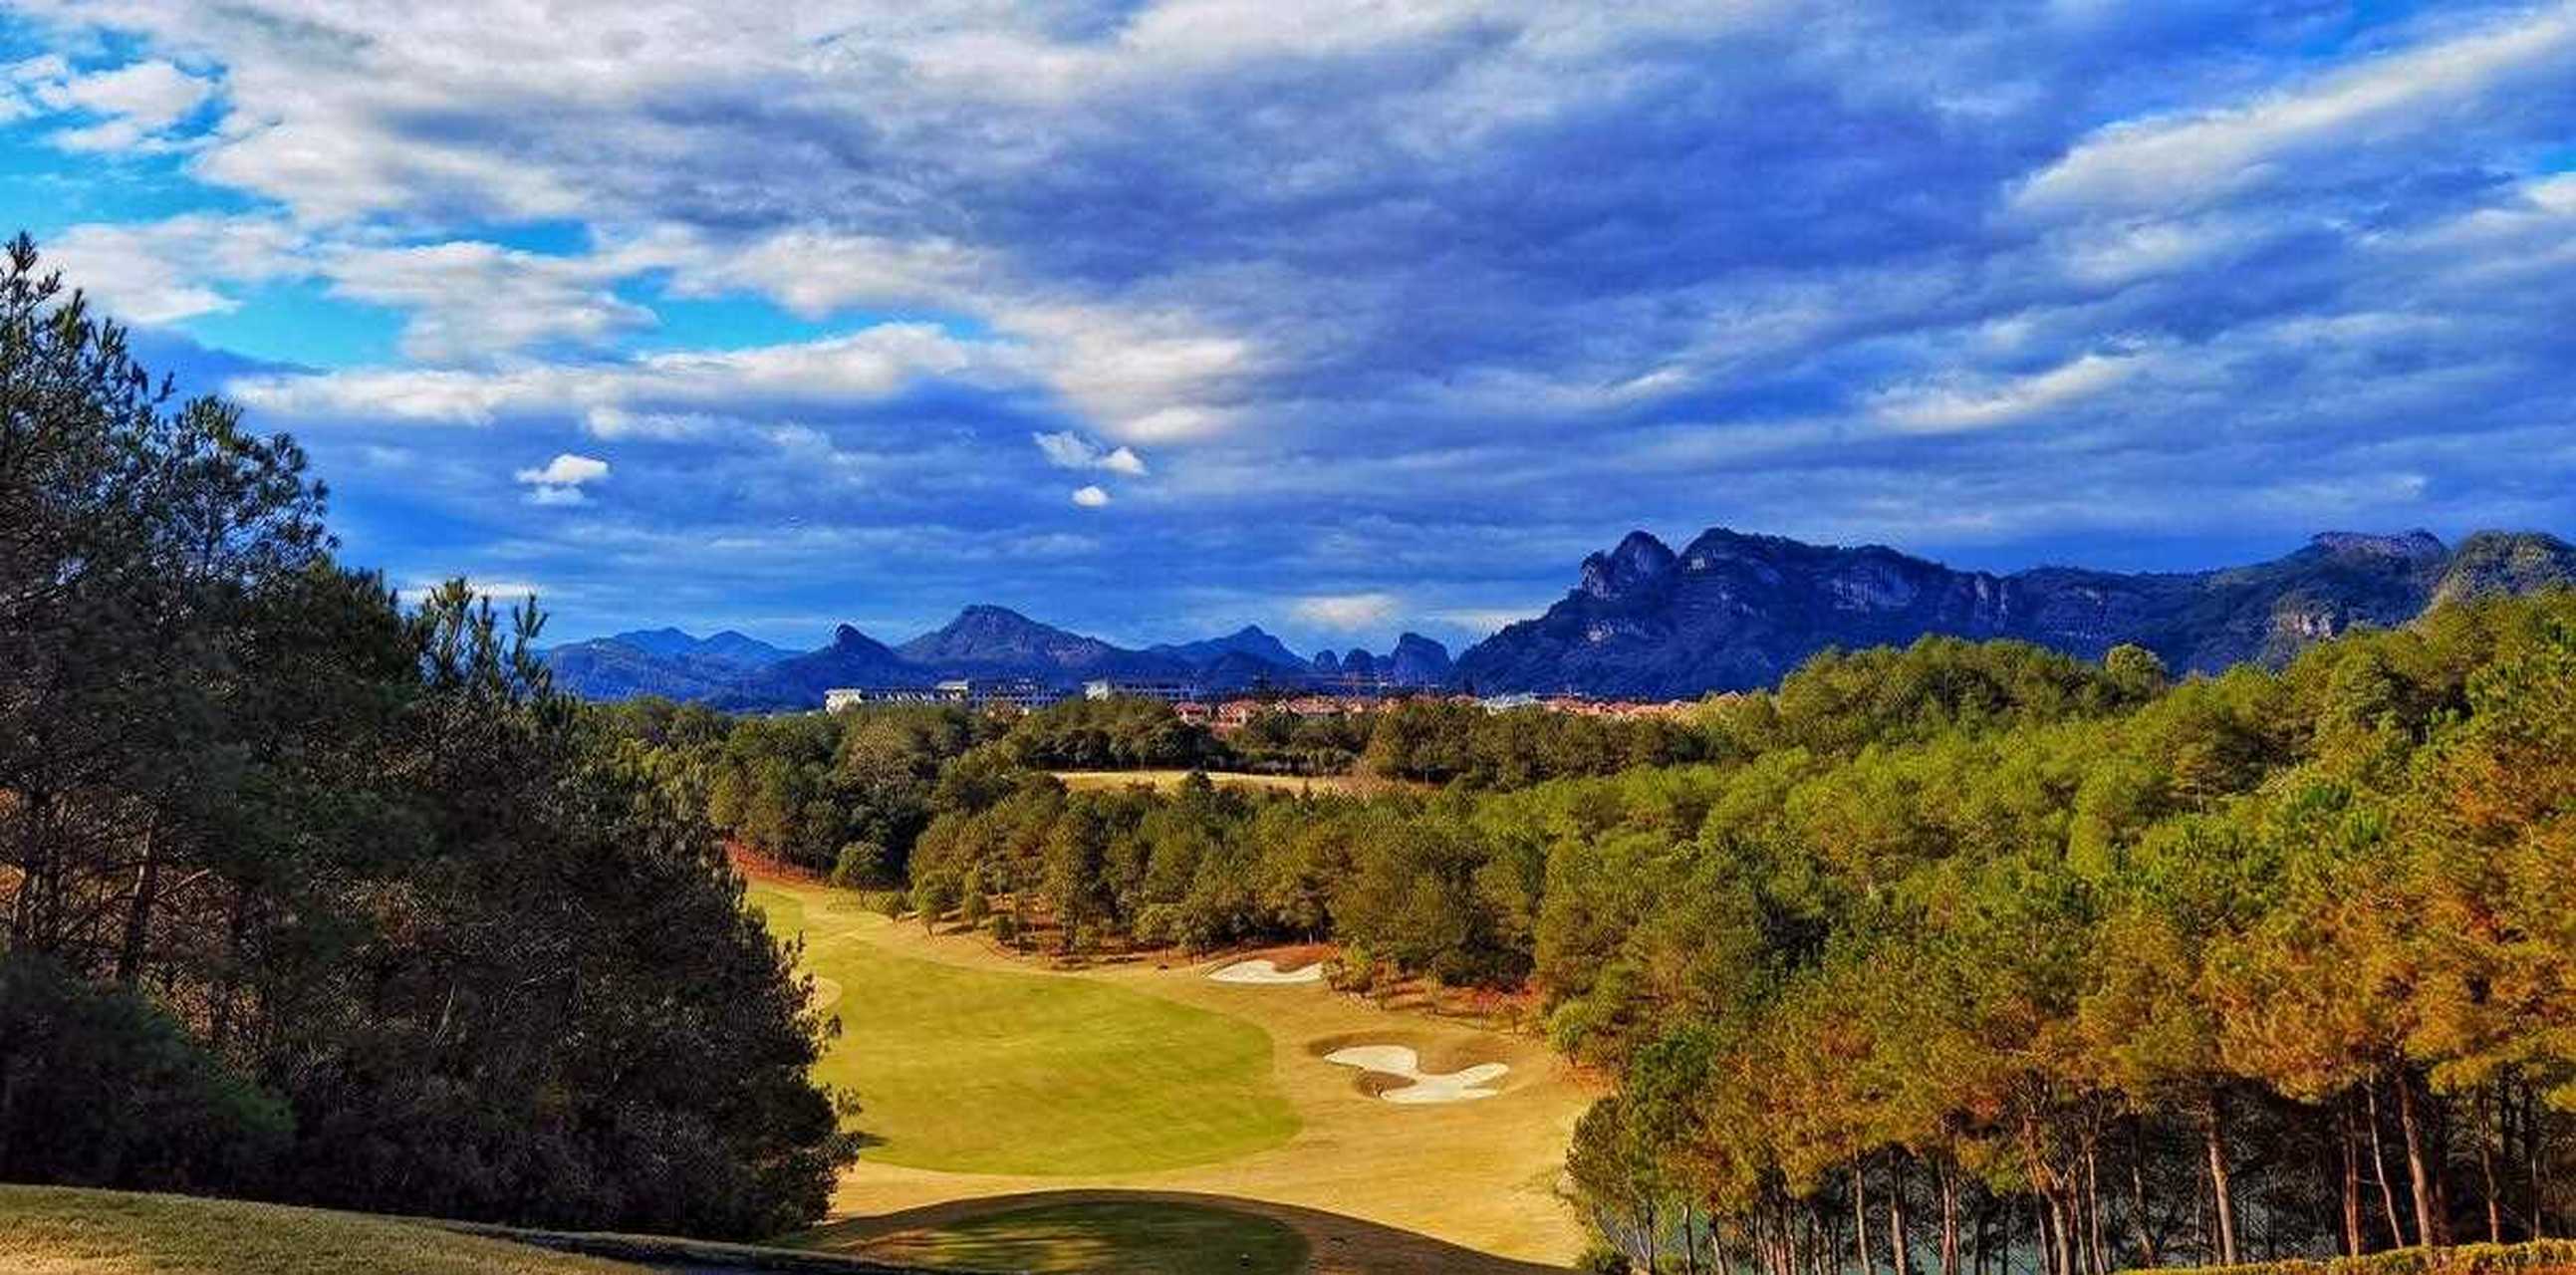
1115, 687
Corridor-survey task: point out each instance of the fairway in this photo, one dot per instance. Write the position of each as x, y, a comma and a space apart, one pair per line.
999, 1087
990, 1071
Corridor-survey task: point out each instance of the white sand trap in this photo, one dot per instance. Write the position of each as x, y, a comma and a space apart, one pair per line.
1266, 970
1397, 1060
827, 993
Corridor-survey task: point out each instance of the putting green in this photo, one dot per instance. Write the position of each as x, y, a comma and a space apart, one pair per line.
1144, 1238
979, 1071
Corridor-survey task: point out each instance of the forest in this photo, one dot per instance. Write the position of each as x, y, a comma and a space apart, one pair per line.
318, 895
1972, 956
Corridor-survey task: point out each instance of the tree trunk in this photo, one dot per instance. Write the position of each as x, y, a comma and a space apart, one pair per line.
1860, 1218
2099, 1250
1948, 1178
2061, 1229
1648, 1213
1898, 1233
2351, 1178
1690, 1244
2214, 1138
138, 913
33, 808
2535, 1147
2418, 1174
1977, 1236
2379, 1169
219, 1032
2486, 1163
2148, 1250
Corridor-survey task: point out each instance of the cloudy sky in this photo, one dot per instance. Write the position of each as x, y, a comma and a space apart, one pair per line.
1159, 318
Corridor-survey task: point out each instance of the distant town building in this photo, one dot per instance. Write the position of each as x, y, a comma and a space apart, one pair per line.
843, 698
1139, 688
969, 692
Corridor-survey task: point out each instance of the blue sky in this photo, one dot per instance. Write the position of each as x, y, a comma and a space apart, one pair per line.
1158, 318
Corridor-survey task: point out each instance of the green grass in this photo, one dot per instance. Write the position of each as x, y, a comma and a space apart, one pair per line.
1145, 1238
983, 1071
63, 1231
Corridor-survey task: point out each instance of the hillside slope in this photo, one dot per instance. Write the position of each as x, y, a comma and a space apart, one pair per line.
47, 1230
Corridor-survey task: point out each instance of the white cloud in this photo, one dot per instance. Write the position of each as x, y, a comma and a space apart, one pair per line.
557, 497
132, 105
462, 299
1147, 375
1488, 620
1957, 407
1069, 450
1092, 497
566, 470
1347, 610
154, 95
2188, 159
868, 365
560, 481
814, 272
166, 271
469, 300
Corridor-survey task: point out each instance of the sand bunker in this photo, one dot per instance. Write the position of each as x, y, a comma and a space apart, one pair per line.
1400, 1061
1267, 971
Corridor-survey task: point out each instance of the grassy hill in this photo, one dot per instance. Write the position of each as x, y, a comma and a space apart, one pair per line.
64, 1231
46, 1230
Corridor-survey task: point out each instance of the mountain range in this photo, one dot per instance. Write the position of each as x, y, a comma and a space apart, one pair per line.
1729, 611
1733, 611
983, 642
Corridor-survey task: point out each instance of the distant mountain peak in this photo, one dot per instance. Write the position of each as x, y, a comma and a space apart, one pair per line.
1638, 559
1247, 652
2418, 545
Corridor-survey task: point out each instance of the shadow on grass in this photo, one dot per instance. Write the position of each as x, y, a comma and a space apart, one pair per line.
1149, 1233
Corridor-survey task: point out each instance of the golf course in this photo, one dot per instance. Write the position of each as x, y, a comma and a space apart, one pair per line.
1146, 1116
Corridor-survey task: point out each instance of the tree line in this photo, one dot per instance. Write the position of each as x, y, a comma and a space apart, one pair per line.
1969, 955
849, 794
315, 896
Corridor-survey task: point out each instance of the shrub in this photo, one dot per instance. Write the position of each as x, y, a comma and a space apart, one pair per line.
1602, 1259
933, 896
2556, 1255
861, 864
99, 1088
